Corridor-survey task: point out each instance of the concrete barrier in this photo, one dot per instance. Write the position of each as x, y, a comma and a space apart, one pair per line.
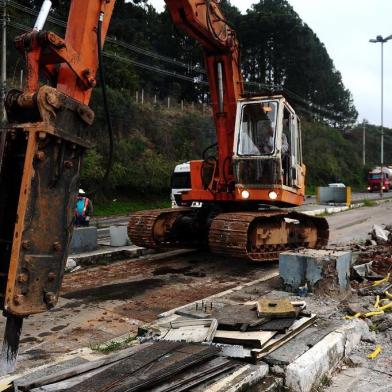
335, 195
119, 236
84, 239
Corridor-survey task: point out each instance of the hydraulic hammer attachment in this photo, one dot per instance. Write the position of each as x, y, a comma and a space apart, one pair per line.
40, 160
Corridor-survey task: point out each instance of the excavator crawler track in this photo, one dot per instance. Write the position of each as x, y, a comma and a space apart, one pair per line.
261, 236
152, 229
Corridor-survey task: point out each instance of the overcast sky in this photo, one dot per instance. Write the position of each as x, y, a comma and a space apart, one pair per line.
345, 27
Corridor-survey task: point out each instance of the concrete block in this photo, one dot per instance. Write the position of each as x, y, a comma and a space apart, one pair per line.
119, 236
325, 272
307, 371
334, 195
84, 239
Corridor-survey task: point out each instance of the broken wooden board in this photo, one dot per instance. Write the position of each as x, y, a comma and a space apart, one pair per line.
280, 325
191, 331
275, 308
238, 317
197, 375
301, 343
255, 339
57, 373
279, 340
144, 369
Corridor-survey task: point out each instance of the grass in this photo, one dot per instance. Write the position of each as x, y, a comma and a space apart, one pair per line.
124, 207
369, 203
113, 345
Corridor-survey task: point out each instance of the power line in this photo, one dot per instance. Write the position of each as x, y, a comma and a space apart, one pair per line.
115, 41
161, 71
115, 56
196, 80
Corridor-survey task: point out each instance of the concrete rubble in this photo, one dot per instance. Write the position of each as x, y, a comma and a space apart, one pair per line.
324, 323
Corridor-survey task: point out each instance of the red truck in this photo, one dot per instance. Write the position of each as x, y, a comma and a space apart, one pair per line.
374, 179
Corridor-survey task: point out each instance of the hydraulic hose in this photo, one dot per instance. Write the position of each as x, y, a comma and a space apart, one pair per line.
105, 104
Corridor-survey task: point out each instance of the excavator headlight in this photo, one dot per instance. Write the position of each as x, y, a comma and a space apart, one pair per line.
245, 194
273, 195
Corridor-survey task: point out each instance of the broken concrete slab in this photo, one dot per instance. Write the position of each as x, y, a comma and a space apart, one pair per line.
380, 235
324, 272
300, 344
307, 371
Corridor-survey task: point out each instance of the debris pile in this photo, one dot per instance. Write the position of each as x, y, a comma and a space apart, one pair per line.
241, 330
372, 283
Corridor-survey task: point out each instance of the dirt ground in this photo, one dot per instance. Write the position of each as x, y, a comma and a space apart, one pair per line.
101, 303
104, 302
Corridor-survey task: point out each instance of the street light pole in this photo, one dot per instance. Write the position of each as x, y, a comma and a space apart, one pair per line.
382, 41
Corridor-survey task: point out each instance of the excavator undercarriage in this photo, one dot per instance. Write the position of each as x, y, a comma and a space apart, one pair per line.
255, 235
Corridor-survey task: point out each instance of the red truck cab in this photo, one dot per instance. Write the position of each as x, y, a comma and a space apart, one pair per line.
375, 182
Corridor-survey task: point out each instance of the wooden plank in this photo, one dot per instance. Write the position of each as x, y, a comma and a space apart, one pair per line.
191, 331
256, 339
30, 383
156, 362
197, 375
183, 358
280, 340
275, 308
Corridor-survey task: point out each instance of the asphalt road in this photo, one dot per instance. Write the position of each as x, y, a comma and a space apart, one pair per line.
354, 225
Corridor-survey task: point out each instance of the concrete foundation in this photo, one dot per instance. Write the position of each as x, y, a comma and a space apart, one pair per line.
84, 239
324, 272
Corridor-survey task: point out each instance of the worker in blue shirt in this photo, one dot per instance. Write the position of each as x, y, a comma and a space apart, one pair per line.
83, 209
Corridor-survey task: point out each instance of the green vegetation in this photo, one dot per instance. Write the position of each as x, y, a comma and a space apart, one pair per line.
123, 207
277, 48
113, 345
369, 203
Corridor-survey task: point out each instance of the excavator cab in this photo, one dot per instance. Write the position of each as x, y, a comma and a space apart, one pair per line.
267, 154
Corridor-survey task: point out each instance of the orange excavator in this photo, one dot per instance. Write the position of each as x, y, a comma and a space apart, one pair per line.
258, 162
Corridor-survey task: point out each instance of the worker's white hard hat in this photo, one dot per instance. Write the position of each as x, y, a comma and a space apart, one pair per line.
81, 192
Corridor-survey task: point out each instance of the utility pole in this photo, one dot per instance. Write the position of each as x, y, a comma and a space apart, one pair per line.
382, 41
364, 142
3, 60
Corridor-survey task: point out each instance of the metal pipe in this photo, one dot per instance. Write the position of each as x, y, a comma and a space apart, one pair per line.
4, 63
43, 15
220, 87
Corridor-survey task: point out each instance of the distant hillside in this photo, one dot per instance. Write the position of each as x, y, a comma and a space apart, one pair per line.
155, 59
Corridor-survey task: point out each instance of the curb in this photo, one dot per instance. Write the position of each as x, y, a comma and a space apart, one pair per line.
308, 371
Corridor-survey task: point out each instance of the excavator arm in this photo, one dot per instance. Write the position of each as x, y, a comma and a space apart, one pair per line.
41, 154
205, 22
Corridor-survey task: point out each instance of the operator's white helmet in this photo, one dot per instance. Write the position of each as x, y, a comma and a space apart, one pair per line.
81, 192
